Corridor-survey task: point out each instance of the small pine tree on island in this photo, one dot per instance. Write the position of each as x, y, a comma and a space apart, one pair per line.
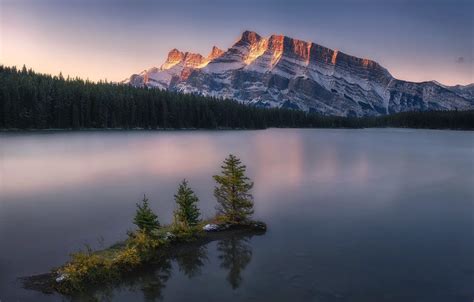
187, 214
232, 192
145, 219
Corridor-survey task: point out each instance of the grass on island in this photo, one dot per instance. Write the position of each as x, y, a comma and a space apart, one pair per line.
89, 267
147, 244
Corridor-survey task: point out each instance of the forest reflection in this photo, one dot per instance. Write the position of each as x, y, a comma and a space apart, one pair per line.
234, 254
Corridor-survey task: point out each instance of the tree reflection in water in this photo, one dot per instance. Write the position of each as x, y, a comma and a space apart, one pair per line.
191, 261
235, 255
153, 284
151, 281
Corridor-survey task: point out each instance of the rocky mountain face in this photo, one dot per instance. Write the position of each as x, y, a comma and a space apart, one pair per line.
279, 71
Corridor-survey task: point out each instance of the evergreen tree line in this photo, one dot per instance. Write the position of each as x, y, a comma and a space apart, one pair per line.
30, 100
461, 120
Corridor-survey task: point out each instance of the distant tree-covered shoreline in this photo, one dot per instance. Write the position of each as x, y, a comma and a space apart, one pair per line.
30, 100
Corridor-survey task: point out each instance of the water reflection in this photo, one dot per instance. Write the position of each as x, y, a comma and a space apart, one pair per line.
361, 205
234, 254
191, 261
150, 282
106, 157
153, 284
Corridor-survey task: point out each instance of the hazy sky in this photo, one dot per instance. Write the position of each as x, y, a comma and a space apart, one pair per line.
415, 40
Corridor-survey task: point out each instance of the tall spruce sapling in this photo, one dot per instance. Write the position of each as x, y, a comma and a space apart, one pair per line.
232, 192
187, 213
145, 219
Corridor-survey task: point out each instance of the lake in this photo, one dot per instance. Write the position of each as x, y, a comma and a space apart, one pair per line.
353, 215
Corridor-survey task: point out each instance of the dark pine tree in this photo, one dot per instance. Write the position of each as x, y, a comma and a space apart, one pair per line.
145, 219
232, 192
187, 212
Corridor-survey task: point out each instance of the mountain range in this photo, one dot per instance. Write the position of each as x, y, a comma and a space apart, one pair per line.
279, 71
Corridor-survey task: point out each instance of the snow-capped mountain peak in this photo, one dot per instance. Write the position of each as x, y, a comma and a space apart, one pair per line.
279, 71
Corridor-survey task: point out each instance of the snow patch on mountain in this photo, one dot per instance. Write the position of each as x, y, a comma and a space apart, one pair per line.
280, 71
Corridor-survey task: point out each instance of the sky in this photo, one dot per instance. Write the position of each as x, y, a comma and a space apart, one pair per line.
416, 40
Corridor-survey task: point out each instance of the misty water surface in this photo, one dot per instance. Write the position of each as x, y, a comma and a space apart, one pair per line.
353, 215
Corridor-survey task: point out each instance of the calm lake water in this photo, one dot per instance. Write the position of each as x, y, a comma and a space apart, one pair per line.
353, 215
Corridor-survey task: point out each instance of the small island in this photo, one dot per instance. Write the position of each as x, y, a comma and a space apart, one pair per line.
151, 242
